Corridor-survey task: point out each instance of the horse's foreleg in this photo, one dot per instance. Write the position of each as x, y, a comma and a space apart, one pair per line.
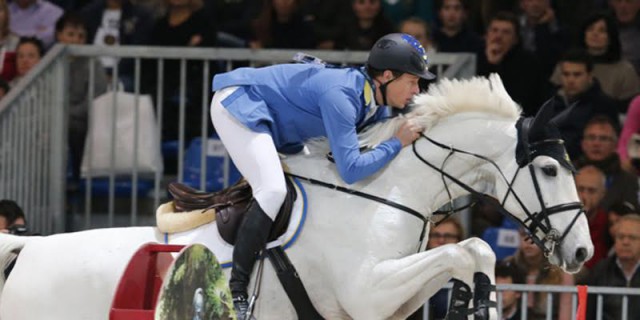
485, 260
392, 283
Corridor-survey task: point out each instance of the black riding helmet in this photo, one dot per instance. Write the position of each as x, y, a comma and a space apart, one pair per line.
399, 52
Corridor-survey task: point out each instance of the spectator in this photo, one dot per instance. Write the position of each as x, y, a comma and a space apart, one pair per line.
507, 273
419, 29
590, 182
398, 11
453, 35
34, 18
619, 270
504, 55
579, 99
363, 25
541, 33
616, 211
8, 43
631, 126
617, 77
627, 14
532, 262
281, 25
70, 29
10, 215
323, 14
28, 53
449, 231
599, 143
118, 22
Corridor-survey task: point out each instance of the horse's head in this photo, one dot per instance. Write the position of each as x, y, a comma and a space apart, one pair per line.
475, 136
526, 162
541, 193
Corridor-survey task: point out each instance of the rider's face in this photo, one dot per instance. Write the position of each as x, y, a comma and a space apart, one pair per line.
401, 90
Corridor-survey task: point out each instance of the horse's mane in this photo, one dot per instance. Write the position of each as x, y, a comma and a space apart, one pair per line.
449, 97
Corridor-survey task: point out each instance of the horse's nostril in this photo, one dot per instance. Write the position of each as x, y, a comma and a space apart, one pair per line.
581, 254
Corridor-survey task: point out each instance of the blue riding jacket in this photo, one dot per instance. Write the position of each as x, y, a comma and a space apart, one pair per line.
296, 102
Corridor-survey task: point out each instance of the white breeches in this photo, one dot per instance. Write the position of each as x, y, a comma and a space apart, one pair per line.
253, 153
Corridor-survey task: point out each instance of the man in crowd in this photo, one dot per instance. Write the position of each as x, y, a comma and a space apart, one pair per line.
599, 143
620, 270
520, 70
579, 99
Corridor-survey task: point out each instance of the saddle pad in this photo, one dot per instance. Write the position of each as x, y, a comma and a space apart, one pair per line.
208, 234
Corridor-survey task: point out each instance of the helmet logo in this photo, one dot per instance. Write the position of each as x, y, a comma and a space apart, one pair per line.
385, 44
417, 46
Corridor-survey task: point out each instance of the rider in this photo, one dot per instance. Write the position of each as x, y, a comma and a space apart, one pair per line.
258, 112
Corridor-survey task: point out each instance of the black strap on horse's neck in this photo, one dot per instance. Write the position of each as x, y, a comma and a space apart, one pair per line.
292, 284
370, 197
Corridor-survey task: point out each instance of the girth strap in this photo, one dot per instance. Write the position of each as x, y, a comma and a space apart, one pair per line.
292, 285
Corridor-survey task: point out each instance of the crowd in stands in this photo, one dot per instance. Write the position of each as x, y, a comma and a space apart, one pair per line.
581, 56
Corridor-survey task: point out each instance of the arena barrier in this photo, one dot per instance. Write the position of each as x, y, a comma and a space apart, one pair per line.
579, 299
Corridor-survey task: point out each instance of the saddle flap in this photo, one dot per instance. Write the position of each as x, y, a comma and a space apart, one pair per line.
230, 206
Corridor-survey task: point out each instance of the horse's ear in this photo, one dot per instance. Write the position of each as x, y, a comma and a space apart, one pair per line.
564, 117
541, 120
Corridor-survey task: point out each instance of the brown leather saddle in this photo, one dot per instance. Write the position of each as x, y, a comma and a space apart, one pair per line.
231, 204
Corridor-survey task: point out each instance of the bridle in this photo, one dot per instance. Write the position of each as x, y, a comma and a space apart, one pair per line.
537, 224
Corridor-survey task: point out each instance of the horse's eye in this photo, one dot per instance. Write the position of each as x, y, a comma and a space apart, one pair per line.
551, 171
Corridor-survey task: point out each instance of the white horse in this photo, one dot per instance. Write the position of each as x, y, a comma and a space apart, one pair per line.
358, 258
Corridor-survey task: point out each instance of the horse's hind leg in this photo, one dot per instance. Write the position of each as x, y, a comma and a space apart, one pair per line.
484, 277
391, 289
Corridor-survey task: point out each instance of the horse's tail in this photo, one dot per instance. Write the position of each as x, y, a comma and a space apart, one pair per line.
10, 246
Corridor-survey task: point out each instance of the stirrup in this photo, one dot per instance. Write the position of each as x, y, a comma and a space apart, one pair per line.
481, 301
241, 306
460, 297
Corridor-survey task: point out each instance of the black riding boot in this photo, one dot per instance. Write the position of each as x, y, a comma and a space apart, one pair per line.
252, 237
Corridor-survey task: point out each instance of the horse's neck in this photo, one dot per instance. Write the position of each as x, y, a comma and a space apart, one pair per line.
472, 132
407, 180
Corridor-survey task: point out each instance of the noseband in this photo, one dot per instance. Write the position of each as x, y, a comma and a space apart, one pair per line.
537, 224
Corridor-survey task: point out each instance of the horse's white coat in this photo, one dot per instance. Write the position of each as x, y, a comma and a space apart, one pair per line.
357, 257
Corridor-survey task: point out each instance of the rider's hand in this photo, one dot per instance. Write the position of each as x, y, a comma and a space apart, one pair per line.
407, 133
